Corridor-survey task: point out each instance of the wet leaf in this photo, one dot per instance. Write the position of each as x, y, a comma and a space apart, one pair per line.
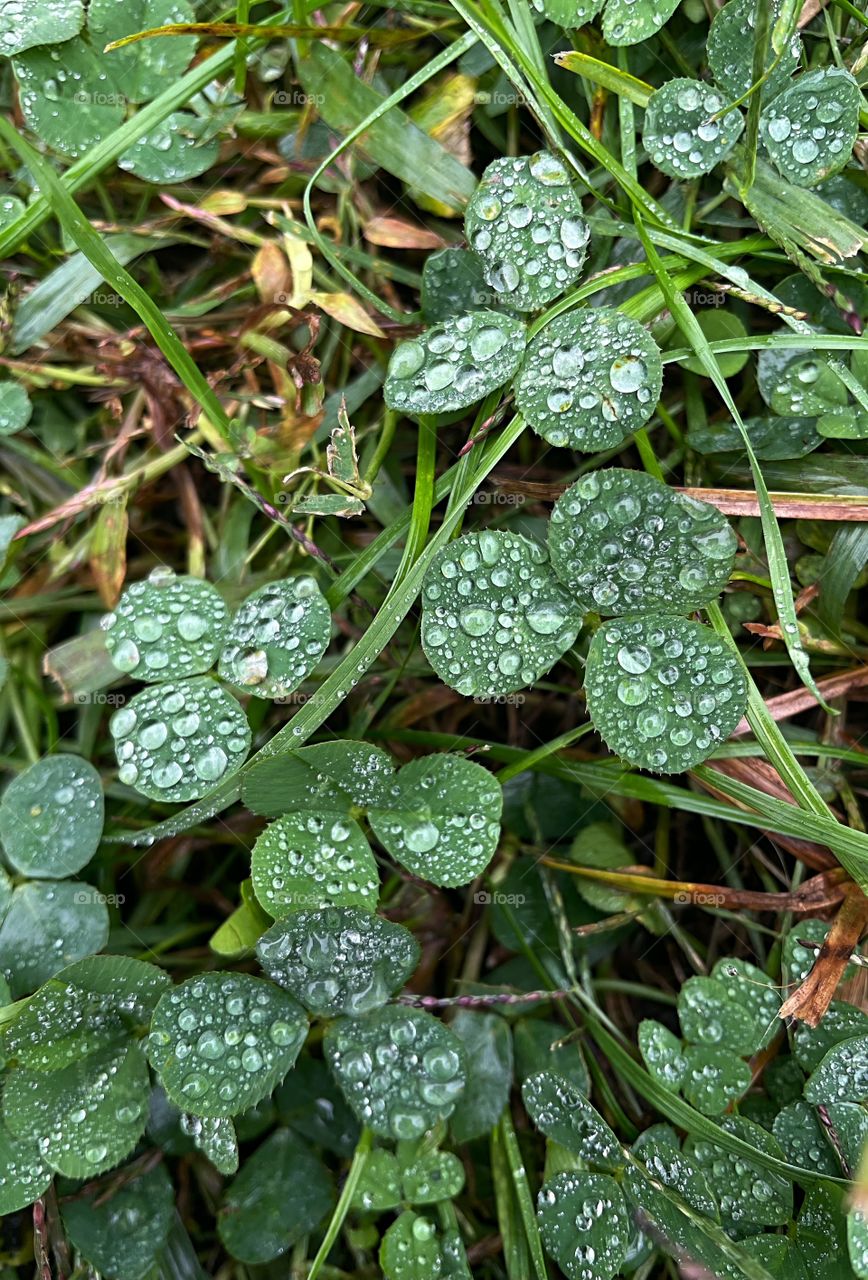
495, 618
563, 1114
329, 777
120, 1235
841, 1021
26, 23
433, 1176
748, 1194
222, 1041
173, 151
842, 1075
589, 379
680, 133
714, 1015
399, 1069
803, 1139
798, 383
48, 925
662, 692
140, 70
730, 47
857, 1242
379, 1186
454, 363
15, 407
453, 281
526, 223
277, 638
488, 1043
584, 1224
713, 1078
662, 1054
809, 129
215, 1137
51, 817
166, 626
311, 861
770, 438
442, 819
24, 1175
622, 542
757, 997
410, 1249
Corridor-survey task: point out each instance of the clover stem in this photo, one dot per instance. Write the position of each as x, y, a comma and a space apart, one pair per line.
360, 1158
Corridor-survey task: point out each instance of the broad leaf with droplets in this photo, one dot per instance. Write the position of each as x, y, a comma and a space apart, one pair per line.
563, 1114
432, 1176
798, 383
166, 627
308, 860
328, 777
756, 995
453, 281
841, 1021
584, 1224
410, 1249
625, 543
24, 1175
663, 692
526, 223
85, 1117
809, 129
338, 961
569, 13
770, 438
662, 1053
857, 1242
730, 47
399, 1069
748, 1194
51, 817
276, 638
121, 1234
379, 1186
808, 1141
712, 1016
176, 741
495, 618
713, 1078
27, 23
441, 819
589, 379
628, 22
215, 1137
48, 925
842, 1076
454, 363
222, 1041
15, 407
680, 132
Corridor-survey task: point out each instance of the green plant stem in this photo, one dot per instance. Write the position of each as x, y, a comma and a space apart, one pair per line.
532, 758
522, 1193
423, 496
360, 1159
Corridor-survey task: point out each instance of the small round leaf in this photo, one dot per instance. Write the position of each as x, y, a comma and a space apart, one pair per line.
662, 1053
589, 379
625, 543
748, 1194
454, 363
222, 1041
563, 1114
399, 1069
495, 618
173, 150
51, 817
24, 1175
276, 638
433, 1176
584, 1224
33, 22
15, 407
713, 1078
453, 281
842, 1076
177, 740
803, 1140
379, 1186
798, 383
328, 777
410, 1249
166, 626
755, 994
711, 1016
627, 22
121, 1234
442, 821
770, 438
841, 1021
48, 925
215, 1137
663, 692
307, 860
338, 961
730, 47
526, 223
680, 133
569, 13
809, 129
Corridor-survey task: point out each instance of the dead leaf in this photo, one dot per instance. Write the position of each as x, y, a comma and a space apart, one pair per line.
108, 550
395, 233
344, 308
271, 274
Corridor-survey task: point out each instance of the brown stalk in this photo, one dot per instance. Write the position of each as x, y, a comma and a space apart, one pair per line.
809, 1002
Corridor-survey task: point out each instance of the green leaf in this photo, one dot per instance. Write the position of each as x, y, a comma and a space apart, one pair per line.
259, 1221
48, 925
310, 1102
15, 407
433, 1176
846, 423
85, 1117
771, 438
120, 1234
713, 1078
842, 1076
730, 47
680, 133
658, 1150
215, 1137
803, 1139
68, 118
51, 817
237, 936
569, 13
222, 1041
720, 326
748, 1194
442, 820
24, 1175
453, 281
589, 379
488, 1043
454, 363
141, 69
31, 22
399, 1069
841, 1021
526, 223
662, 1053
173, 151
798, 382
622, 542
712, 1015
857, 1242
94, 1005
410, 1249
329, 777
379, 1187
166, 626
338, 961
495, 618
177, 740
756, 996
628, 22
276, 638
809, 129
305, 860
538, 1047
663, 692
563, 1114
584, 1224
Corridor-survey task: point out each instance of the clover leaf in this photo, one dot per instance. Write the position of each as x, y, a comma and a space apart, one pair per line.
589, 379
809, 129
442, 819
312, 860
166, 626
328, 777
120, 1234
495, 618
526, 223
625, 543
713, 1078
663, 692
51, 817
841, 1021
177, 740
750, 988
410, 1249
798, 383
711, 1016
842, 1075
431, 1177
564, 1114
662, 1053
730, 47
584, 1224
222, 1041
748, 1194
770, 438
454, 363
27, 23
683, 132
276, 638
15, 407
625, 22
399, 1069
340, 960
453, 281
47, 925
24, 1175
379, 1186
215, 1137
